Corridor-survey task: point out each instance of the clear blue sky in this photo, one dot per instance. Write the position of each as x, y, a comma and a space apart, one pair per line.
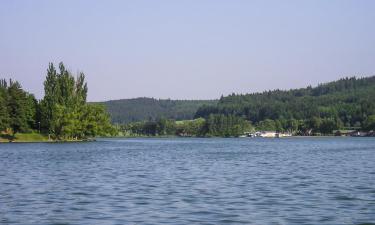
193, 49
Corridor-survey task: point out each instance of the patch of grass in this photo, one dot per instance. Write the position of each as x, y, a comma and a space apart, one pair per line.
30, 137
24, 137
182, 122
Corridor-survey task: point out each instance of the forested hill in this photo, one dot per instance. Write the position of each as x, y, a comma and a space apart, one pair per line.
349, 100
140, 109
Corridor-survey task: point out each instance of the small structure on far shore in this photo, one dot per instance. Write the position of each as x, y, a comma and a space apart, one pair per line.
279, 135
353, 133
266, 134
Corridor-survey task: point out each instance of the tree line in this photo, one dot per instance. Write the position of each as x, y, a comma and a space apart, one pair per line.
220, 125
63, 113
214, 126
140, 109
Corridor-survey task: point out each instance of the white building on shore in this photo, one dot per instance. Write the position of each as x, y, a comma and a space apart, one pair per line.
271, 134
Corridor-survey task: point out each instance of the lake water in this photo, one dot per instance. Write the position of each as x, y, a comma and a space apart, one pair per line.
189, 181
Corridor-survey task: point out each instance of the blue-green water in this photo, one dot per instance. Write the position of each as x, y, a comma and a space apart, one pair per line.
189, 181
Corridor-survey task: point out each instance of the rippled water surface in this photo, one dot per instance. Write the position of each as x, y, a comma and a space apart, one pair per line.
189, 181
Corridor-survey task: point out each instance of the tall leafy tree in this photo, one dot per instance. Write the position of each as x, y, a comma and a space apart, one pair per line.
65, 113
369, 123
49, 102
4, 114
17, 108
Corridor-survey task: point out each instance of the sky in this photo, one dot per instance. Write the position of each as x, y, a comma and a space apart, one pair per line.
187, 49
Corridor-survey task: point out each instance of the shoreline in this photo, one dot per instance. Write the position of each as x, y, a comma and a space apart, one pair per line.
5, 141
37, 138
164, 137
51, 142
297, 136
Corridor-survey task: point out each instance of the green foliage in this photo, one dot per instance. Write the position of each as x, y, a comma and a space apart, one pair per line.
49, 102
369, 123
266, 125
4, 114
141, 109
215, 125
18, 109
95, 121
191, 127
329, 124
226, 125
21, 108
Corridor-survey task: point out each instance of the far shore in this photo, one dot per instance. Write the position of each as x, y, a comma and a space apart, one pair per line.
171, 136
25, 138
47, 141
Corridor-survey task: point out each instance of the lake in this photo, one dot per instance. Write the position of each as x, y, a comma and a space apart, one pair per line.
189, 181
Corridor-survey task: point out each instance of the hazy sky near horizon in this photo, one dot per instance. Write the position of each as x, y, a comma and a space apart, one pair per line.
187, 49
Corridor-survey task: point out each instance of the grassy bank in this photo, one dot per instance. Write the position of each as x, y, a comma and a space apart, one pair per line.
35, 137
24, 137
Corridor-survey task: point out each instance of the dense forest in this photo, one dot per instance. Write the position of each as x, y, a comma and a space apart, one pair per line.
62, 114
344, 104
140, 109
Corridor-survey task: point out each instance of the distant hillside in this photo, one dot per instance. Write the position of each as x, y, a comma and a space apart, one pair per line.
139, 109
349, 100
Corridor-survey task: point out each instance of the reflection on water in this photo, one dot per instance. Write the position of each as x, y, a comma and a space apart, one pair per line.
185, 181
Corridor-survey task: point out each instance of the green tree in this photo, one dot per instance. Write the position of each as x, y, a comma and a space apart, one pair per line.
4, 114
279, 126
369, 123
266, 125
50, 100
225, 125
17, 108
328, 125
32, 111
292, 125
314, 123
96, 121
65, 113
